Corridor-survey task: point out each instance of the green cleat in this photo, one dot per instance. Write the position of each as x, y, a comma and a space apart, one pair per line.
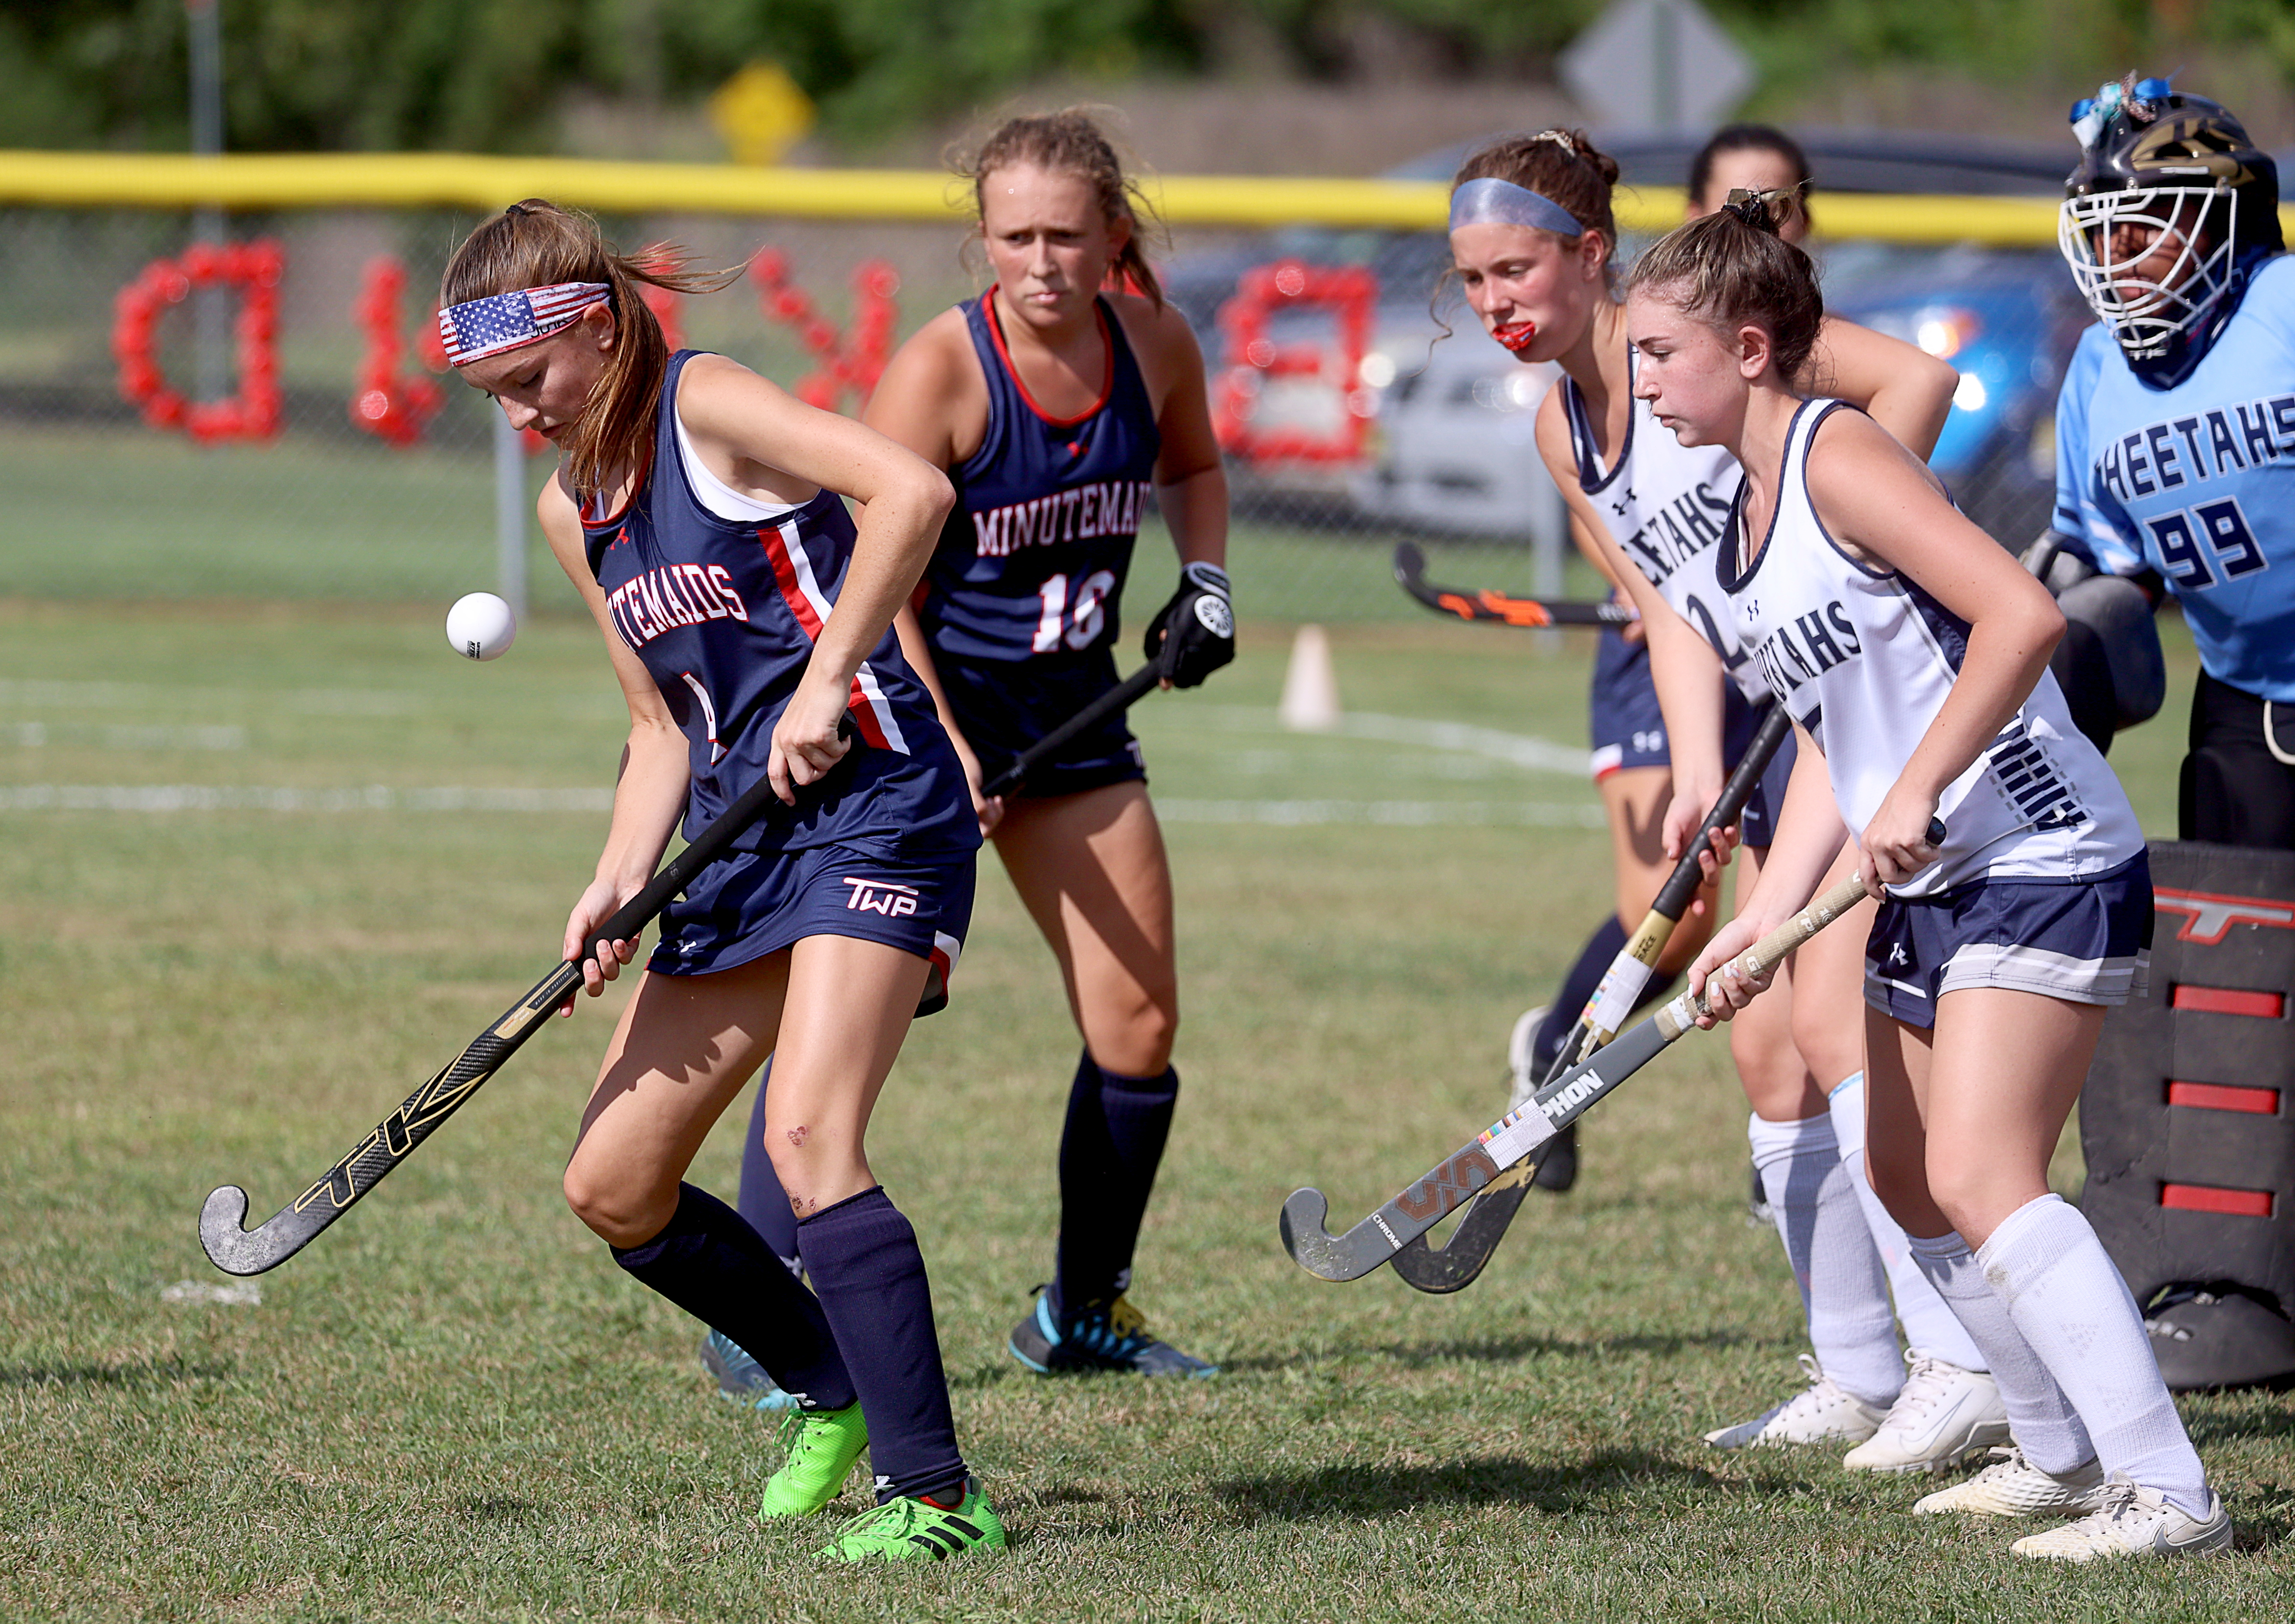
911, 1529
823, 1446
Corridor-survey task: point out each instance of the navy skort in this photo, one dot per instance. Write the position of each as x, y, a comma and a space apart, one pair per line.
749, 904
1004, 707
2087, 942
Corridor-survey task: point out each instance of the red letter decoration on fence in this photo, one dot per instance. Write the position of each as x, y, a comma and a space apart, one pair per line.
1350, 293
254, 268
385, 404
856, 360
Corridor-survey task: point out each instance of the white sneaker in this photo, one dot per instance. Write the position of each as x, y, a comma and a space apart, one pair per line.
1821, 1412
2133, 1520
2013, 1487
1522, 1045
1944, 1415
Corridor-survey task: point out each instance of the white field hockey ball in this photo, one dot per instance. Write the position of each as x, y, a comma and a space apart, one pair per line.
481, 626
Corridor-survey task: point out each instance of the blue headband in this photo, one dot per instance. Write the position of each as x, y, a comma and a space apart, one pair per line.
1491, 201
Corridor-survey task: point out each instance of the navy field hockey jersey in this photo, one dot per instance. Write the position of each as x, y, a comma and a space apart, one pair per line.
1031, 563
723, 613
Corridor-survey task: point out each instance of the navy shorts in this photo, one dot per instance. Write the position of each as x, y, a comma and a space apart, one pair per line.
752, 903
1626, 727
1740, 720
1004, 707
2087, 942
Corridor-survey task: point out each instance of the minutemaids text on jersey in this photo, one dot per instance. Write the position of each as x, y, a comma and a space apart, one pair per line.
2197, 482
1031, 563
1668, 506
724, 611
1865, 659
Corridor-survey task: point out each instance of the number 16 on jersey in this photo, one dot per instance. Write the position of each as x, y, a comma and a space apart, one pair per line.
1077, 625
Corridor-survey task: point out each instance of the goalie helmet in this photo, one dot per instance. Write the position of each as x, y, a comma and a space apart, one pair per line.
2170, 205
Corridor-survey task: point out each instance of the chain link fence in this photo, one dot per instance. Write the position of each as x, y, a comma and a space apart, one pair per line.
189, 418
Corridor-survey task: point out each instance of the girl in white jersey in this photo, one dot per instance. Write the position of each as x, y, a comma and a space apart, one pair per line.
1531, 236
1913, 653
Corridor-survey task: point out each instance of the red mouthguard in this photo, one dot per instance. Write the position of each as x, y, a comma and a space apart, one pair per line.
1516, 336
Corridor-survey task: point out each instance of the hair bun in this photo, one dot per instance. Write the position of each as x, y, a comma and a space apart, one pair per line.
1764, 211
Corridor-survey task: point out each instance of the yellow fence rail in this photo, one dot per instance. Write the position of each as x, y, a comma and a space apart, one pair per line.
265, 181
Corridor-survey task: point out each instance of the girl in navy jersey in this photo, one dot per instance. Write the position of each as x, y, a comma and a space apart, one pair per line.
1057, 401
698, 512
1532, 238
1911, 652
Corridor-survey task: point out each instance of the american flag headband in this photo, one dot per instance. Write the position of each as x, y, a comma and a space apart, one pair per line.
483, 327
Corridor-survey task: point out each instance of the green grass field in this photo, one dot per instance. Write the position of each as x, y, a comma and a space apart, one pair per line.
453, 1405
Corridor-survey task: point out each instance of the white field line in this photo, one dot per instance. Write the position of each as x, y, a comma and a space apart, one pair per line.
124, 737
163, 798
1469, 814
248, 798
50, 694
1533, 755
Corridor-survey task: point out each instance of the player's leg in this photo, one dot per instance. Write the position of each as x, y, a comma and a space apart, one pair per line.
764, 1206
2238, 784
1091, 871
2006, 1066
2049, 1467
1857, 1372
848, 1006
1948, 1407
682, 1048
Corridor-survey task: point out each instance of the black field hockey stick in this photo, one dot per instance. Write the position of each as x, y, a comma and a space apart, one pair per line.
1091, 716
1454, 1266
240, 1251
1502, 607
1524, 1133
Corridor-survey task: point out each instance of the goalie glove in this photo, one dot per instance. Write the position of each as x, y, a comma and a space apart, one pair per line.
1195, 634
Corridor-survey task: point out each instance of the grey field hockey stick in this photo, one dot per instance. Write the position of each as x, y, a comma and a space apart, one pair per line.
1505, 609
1523, 1134
239, 1251
1091, 716
1454, 1266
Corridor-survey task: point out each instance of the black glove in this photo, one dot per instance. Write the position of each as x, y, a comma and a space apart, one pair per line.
1195, 635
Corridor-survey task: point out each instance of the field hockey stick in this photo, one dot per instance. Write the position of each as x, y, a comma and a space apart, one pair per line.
1526, 1132
1410, 574
1091, 716
1454, 1266
239, 1251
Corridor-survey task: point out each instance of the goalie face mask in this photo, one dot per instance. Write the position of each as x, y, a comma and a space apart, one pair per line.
2169, 207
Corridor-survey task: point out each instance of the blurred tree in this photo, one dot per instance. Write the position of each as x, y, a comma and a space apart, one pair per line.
489, 74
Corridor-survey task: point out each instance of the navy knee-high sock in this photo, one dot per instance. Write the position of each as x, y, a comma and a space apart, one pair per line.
1109, 1151
718, 1269
1607, 941
763, 1201
863, 1258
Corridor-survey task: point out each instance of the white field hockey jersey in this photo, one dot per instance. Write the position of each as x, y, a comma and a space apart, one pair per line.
1668, 507
1864, 659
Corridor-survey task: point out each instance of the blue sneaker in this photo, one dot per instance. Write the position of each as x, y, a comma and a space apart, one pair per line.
1102, 1336
740, 1379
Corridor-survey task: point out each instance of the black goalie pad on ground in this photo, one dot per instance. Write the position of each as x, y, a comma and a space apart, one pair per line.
2188, 1120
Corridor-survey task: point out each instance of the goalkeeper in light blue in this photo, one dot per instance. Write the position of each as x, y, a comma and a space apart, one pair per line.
2175, 443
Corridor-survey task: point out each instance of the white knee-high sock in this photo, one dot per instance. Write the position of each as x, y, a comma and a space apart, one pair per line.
2075, 1310
1930, 1326
1843, 1291
2044, 1425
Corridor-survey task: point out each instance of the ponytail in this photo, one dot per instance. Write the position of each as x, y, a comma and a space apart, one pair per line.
1731, 268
